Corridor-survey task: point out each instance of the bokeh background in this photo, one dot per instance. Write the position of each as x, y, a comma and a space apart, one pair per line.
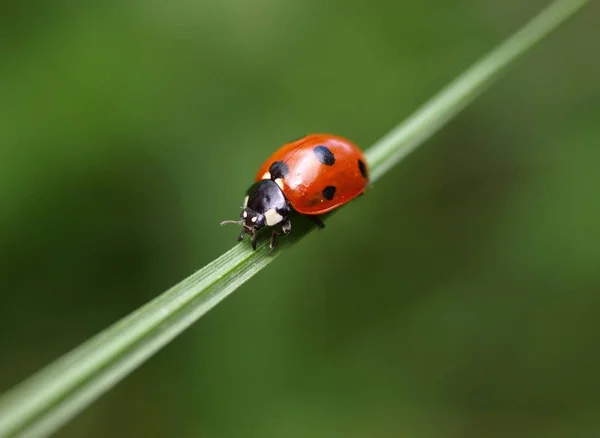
460, 298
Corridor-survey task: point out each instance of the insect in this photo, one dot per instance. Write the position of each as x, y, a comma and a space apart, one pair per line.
313, 175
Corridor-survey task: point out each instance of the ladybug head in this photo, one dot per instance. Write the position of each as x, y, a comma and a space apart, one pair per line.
264, 205
251, 221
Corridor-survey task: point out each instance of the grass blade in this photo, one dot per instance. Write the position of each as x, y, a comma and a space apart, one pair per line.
434, 114
47, 400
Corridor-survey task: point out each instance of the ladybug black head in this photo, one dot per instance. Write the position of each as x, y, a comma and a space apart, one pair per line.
264, 205
252, 221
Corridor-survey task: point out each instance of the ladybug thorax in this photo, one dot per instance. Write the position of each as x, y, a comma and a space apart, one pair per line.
264, 205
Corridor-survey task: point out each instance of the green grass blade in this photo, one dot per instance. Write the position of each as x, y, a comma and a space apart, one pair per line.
434, 114
50, 398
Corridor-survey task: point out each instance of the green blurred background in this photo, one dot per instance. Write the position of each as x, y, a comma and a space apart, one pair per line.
459, 298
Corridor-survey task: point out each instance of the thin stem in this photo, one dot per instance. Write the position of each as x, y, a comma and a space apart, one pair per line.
434, 114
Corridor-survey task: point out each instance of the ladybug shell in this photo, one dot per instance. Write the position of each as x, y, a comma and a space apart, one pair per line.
318, 172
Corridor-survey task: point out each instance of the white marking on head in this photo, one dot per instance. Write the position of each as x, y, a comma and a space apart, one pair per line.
253, 219
246, 201
245, 214
266, 175
279, 182
272, 217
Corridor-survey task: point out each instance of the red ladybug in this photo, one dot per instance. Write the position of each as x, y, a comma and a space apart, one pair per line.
312, 175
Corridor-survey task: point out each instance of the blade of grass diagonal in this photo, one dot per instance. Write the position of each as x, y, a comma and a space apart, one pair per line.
434, 114
120, 349
47, 400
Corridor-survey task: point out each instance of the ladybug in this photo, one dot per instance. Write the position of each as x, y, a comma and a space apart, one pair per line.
313, 175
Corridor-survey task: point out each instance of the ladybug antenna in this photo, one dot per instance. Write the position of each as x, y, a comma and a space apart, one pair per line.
231, 222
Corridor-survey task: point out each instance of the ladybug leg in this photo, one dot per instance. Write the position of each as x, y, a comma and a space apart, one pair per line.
316, 220
286, 227
274, 235
254, 241
241, 236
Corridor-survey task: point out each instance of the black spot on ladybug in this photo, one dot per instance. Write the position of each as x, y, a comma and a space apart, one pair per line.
324, 155
362, 168
278, 170
329, 192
